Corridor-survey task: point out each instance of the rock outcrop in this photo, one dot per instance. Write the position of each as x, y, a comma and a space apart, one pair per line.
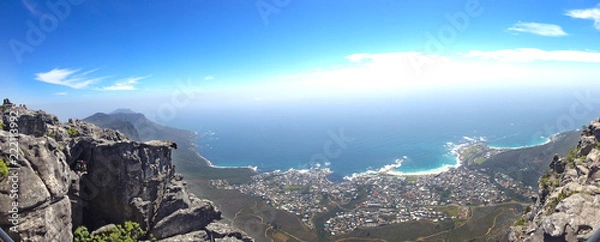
123, 180
568, 205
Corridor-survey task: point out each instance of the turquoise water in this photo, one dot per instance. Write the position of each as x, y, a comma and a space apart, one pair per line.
420, 130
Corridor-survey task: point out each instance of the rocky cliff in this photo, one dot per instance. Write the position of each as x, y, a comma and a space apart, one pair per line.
567, 207
46, 193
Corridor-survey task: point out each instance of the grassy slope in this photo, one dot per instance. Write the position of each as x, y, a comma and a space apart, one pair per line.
484, 222
528, 164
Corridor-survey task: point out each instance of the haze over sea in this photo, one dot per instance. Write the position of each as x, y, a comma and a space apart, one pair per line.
355, 135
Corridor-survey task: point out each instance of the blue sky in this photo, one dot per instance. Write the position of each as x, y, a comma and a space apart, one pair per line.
103, 55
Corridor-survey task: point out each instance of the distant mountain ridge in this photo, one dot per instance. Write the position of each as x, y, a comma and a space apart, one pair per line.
108, 121
123, 110
137, 127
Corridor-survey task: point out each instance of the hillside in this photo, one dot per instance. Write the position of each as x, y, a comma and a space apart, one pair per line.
567, 207
46, 193
137, 127
530, 163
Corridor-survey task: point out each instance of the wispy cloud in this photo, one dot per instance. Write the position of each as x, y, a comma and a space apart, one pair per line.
68, 77
208, 78
589, 13
126, 84
78, 79
531, 54
550, 30
60, 93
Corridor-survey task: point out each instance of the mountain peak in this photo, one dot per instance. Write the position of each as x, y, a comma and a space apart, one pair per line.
123, 110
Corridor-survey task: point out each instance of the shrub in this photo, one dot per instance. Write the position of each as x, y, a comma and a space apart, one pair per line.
50, 133
522, 221
81, 234
552, 205
127, 232
3, 168
72, 132
572, 154
527, 209
545, 180
2, 125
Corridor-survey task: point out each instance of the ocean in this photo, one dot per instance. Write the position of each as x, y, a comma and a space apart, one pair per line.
355, 135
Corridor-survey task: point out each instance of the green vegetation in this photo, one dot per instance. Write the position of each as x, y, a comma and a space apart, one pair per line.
451, 210
293, 188
555, 183
72, 132
572, 155
552, 206
485, 222
411, 179
585, 128
50, 133
81, 234
128, 232
522, 221
479, 160
231, 175
527, 209
3, 168
2, 125
545, 181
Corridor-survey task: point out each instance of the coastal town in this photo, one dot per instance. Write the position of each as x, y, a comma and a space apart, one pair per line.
374, 200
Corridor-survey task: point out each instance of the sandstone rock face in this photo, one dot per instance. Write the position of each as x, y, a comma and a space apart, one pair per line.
124, 181
568, 208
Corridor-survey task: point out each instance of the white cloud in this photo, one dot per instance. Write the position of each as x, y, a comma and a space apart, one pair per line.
550, 30
208, 78
60, 93
67, 77
531, 54
589, 13
78, 79
126, 84
409, 73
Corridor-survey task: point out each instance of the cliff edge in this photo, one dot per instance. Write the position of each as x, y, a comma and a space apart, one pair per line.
567, 207
63, 175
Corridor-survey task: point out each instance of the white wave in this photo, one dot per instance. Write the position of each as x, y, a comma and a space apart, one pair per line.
383, 170
547, 141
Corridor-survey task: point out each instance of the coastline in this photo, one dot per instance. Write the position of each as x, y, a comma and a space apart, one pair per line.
549, 140
457, 151
211, 165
